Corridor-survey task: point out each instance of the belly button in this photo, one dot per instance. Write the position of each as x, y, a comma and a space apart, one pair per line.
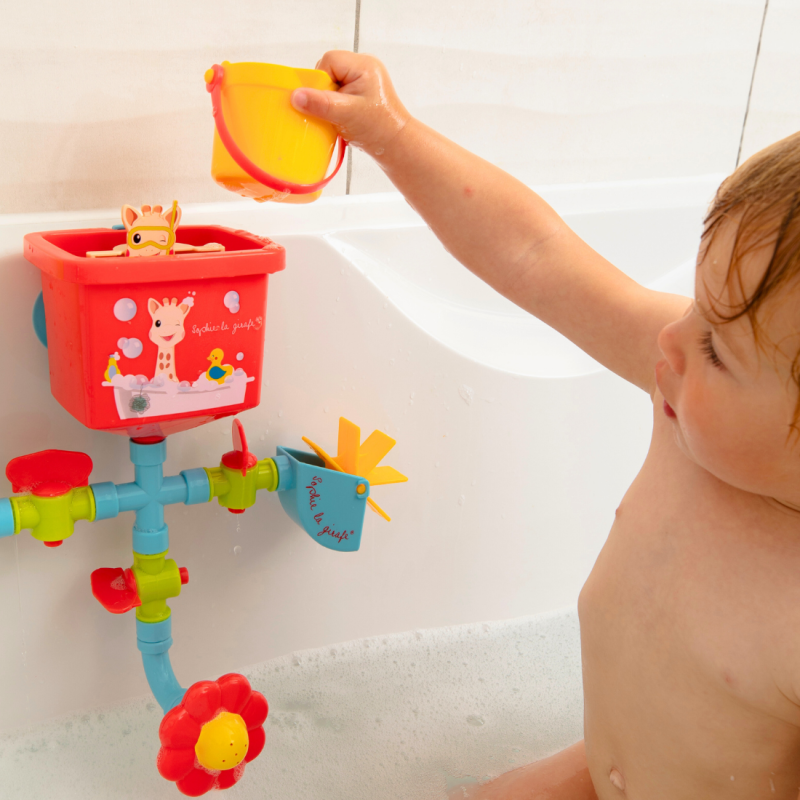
615, 776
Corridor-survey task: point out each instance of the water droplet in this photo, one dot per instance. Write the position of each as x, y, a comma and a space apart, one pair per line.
237, 550
475, 720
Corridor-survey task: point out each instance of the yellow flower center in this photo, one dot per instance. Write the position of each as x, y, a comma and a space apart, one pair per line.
223, 742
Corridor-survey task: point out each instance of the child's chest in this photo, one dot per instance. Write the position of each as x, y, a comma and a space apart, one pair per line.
698, 589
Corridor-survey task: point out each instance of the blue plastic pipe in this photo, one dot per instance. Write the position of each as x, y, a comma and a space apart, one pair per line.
147, 495
154, 640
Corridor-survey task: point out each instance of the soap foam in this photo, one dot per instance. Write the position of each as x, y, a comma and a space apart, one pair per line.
412, 716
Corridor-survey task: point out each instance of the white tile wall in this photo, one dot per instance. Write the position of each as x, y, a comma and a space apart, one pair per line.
775, 102
104, 102
572, 90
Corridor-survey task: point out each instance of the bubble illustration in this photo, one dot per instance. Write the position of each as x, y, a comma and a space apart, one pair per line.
125, 309
187, 301
239, 356
231, 301
131, 348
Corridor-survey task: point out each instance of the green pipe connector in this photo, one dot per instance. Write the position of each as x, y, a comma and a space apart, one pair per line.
52, 519
157, 579
237, 492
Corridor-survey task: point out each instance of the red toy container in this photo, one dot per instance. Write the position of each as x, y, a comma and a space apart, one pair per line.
154, 345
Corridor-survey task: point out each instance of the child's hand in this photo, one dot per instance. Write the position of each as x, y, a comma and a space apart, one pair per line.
366, 110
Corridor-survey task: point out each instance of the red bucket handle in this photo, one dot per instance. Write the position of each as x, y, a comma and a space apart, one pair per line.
254, 171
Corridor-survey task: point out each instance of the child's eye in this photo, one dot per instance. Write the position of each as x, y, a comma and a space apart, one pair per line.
707, 346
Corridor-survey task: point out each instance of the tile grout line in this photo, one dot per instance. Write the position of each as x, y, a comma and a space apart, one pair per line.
752, 81
355, 50
357, 27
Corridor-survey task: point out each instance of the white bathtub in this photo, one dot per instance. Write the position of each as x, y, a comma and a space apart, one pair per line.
518, 448
410, 716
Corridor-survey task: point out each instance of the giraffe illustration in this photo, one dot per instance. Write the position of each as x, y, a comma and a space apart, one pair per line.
166, 331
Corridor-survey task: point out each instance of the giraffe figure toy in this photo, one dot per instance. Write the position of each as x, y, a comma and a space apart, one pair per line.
151, 231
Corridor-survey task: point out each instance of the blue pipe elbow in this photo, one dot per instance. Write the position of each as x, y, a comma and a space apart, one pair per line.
154, 640
6, 518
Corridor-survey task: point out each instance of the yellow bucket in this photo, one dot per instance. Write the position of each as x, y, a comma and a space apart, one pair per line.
263, 147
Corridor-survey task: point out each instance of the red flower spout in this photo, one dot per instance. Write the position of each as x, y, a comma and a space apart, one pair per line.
207, 739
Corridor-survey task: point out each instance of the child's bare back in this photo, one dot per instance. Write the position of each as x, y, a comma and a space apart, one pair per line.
690, 619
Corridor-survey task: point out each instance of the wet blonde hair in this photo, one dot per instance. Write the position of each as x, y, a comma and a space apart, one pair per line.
762, 199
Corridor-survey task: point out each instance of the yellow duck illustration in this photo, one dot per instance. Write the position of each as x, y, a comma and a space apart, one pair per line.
113, 367
218, 371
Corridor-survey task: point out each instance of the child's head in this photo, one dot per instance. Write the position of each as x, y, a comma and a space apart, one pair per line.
731, 372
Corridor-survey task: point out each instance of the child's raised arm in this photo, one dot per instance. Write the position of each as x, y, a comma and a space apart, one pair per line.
494, 225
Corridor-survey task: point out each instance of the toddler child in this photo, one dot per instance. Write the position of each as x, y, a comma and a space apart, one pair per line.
690, 619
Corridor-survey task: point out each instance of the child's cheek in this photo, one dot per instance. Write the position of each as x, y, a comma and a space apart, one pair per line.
720, 435
706, 424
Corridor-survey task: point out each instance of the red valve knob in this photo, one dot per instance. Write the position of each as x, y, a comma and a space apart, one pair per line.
240, 457
184, 575
49, 473
115, 589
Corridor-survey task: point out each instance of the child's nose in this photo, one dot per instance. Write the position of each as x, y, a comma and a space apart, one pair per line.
669, 342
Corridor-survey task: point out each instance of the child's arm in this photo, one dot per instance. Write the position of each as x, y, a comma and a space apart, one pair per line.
497, 227
563, 776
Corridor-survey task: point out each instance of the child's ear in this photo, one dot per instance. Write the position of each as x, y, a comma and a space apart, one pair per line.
153, 306
168, 216
129, 216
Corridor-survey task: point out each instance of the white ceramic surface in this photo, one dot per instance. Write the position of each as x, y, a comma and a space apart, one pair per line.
413, 716
574, 91
106, 100
104, 103
775, 102
514, 473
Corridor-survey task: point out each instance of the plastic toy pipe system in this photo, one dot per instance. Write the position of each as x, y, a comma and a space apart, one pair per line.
202, 723
89, 306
